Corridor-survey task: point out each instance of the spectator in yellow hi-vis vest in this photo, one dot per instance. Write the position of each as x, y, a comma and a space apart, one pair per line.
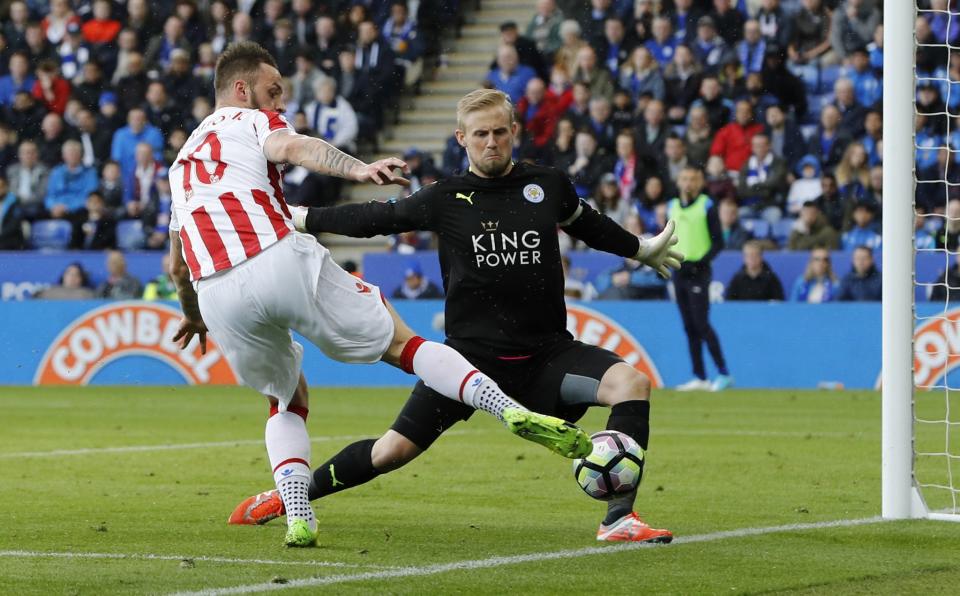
701, 238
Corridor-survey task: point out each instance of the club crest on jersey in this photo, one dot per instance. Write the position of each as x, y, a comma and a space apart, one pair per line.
533, 193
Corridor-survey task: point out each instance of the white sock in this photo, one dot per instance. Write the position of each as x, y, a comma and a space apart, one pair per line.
488, 397
294, 491
288, 447
447, 372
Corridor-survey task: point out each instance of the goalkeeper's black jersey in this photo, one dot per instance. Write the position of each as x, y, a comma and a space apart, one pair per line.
498, 248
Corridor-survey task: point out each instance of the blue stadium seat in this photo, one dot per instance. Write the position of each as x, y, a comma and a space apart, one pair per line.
760, 228
828, 76
51, 234
781, 230
130, 234
815, 105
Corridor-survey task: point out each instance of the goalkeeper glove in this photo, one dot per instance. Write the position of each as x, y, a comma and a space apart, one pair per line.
656, 252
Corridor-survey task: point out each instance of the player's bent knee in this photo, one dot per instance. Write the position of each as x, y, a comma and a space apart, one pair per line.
623, 383
392, 451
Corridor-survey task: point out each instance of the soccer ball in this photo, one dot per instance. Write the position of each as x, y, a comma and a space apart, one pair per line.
612, 469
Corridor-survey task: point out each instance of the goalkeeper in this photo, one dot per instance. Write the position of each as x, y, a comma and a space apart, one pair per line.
505, 310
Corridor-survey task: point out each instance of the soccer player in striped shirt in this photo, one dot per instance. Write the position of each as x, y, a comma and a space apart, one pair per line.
247, 277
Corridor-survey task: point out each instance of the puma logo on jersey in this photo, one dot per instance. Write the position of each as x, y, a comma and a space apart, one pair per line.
362, 288
468, 198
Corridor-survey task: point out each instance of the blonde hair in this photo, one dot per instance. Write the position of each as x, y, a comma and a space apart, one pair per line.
482, 99
846, 172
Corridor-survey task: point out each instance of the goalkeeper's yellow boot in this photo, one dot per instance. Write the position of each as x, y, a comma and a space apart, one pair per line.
258, 509
630, 528
559, 436
299, 534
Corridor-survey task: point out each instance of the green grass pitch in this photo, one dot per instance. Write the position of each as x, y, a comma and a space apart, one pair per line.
127, 490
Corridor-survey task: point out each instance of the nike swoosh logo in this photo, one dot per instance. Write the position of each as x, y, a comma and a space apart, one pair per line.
468, 198
362, 288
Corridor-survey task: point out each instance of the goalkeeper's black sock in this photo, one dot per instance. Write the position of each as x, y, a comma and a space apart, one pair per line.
351, 467
632, 418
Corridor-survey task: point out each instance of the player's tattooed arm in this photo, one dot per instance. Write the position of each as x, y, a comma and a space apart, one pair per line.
319, 156
192, 323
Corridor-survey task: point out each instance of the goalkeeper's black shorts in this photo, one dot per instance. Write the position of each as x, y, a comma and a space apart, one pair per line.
559, 380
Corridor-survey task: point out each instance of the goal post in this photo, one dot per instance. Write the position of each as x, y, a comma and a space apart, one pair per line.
920, 469
898, 262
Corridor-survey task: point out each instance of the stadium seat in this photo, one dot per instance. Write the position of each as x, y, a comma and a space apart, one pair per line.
815, 105
781, 230
130, 234
758, 227
51, 234
828, 76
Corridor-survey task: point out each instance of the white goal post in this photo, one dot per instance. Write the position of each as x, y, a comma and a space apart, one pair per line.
902, 492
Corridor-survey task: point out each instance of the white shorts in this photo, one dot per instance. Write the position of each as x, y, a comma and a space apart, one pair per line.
294, 284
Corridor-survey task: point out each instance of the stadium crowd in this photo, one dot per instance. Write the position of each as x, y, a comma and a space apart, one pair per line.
777, 100
98, 96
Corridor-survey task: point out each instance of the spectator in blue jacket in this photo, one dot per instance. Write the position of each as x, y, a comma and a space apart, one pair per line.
70, 183
19, 78
123, 149
510, 76
751, 50
863, 283
866, 86
864, 230
663, 44
818, 283
400, 31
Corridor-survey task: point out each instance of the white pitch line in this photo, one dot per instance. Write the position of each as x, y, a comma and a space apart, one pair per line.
706, 432
152, 557
181, 446
418, 571
322, 439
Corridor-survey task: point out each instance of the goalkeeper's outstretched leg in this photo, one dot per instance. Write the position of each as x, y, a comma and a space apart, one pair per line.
426, 415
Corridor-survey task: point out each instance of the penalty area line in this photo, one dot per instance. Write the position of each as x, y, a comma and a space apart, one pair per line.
26, 554
492, 562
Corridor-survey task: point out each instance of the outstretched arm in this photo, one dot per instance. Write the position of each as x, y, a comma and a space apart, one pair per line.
363, 220
320, 156
602, 233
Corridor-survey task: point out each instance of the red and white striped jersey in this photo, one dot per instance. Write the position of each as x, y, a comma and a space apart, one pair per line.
228, 202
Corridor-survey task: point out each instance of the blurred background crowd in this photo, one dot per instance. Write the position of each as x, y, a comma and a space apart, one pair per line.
779, 101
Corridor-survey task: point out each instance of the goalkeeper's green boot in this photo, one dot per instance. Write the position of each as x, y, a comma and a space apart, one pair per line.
559, 436
299, 534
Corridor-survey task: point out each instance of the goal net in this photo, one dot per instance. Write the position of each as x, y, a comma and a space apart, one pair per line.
921, 426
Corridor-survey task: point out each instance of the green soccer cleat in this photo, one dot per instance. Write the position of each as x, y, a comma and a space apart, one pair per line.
299, 534
559, 436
